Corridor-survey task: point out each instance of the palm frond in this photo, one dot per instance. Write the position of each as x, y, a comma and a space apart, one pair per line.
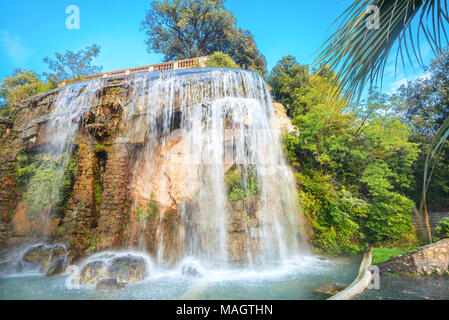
359, 54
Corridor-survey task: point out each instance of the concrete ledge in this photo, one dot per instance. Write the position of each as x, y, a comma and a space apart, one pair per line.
360, 283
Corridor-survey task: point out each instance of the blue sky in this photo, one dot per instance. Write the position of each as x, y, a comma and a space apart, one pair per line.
31, 30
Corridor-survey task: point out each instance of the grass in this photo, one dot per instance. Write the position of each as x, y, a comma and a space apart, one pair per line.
385, 254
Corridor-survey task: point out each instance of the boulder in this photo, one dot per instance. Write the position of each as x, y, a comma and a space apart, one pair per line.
37, 254
191, 270
123, 269
127, 269
45, 259
109, 285
92, 273
57, 267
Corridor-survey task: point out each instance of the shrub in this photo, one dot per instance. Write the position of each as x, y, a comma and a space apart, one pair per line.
442, 230
221, 60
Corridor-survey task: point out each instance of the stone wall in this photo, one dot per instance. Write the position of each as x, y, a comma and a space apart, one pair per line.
429, 260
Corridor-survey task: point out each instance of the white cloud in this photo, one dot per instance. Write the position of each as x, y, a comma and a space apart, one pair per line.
14, 47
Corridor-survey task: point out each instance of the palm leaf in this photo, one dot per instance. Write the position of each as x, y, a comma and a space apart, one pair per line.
359, 54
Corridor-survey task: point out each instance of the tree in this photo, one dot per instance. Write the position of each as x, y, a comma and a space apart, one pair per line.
359, 50
424, 105
18, 86
354, 169
286, 77
73, 65
182, 29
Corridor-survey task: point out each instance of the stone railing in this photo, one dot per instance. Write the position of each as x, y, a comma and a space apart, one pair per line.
181, 64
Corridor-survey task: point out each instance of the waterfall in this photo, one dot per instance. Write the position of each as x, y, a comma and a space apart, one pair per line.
221, 123
209, 180
43, 194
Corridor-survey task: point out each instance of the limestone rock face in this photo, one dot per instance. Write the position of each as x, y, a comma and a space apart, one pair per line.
282, 121
429, 260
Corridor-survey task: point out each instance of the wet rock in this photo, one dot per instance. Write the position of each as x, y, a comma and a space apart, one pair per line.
191, 270
43, 258
123, 269
127, 269
7, 267
109, 285
92, 273
57, 267
38, 255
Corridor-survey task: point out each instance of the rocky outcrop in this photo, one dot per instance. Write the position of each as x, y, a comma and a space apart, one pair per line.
429, 260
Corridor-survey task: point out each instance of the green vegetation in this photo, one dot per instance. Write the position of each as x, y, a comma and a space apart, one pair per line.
442, 230
47, 182
354, 168
92, 241
150, 211
18, 86
73, 65
385, 254
193, 28
221, 60
359, 55
241, 183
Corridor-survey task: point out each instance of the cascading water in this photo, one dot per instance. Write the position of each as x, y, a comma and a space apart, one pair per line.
61, 129
222, 122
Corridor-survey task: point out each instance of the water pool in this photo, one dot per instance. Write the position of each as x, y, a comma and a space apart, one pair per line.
295, 280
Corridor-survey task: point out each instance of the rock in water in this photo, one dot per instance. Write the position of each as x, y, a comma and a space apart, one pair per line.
39, 254
123, 269
44, 258
127, 269
109, 285
57, 267
191, 271
92, 273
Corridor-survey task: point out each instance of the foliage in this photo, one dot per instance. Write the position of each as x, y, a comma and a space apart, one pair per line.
381, 255
47, 182
221, 60
286, 79
360, 54
424, 106
442, 230
354, 168
182, 29
241, 183
73, 65
150, 211
20, 85
92, 241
